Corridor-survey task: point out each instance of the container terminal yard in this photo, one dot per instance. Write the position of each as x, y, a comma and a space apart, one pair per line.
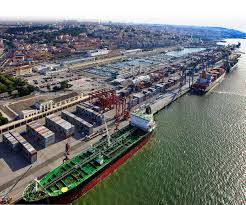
62, 127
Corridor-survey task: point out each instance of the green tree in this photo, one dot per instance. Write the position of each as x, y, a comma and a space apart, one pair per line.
3, 88
64, 84
3, 120
15, 93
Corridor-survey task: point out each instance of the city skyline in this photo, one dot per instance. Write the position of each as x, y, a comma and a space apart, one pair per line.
87, 86
189, 12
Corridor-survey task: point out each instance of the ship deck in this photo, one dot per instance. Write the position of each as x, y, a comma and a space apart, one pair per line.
51, 157
77, 170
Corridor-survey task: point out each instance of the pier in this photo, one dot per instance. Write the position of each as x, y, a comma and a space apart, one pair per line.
52, 156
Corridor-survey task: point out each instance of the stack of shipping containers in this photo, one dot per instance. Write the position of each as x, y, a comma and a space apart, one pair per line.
59, 126
153, 91
90, 115
147, 94
80, 124
139, 97
40, 133
12, 143
28, 150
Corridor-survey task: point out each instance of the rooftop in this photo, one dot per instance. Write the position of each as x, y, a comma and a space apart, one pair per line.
65, 97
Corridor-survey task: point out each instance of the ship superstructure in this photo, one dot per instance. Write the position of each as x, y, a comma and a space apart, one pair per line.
208, 80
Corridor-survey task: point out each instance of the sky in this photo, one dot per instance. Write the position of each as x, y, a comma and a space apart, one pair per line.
181, 12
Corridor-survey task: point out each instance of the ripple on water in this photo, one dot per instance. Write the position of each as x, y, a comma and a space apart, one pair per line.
197, 156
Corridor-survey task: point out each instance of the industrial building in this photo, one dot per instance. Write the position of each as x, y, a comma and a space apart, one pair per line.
76, 61
131, 51
97, 52
44, 105
54, 71
58, 101
40, 133
23, 70
60, 126
27, 113
43, 68
139, 96
81, 125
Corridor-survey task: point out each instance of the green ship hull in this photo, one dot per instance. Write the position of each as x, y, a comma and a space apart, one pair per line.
78, 175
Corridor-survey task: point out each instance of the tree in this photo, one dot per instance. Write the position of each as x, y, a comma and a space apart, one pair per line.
26, 90
3, 88
3, 120
64, 84
15, 93
18, 82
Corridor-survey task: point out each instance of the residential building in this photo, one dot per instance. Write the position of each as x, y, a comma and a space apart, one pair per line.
23, 70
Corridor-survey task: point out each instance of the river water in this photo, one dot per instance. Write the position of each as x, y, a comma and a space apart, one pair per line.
197, 156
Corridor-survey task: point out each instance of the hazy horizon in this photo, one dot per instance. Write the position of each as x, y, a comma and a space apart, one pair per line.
189, 12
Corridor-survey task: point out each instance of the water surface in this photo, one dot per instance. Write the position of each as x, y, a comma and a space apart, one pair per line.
196, 157
184, 52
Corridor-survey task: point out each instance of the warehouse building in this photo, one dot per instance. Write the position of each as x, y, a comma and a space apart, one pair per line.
27, 113
23, 70
97, 52
68, 98
44, 105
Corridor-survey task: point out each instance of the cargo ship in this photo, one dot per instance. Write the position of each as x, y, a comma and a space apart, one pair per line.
208, 80
231, 63
77, 176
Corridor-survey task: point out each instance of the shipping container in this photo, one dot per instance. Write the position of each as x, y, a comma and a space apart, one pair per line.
12, 143
40, 133
28, 150
59, 126
91, 116
139, 97
81, 125
160, 87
